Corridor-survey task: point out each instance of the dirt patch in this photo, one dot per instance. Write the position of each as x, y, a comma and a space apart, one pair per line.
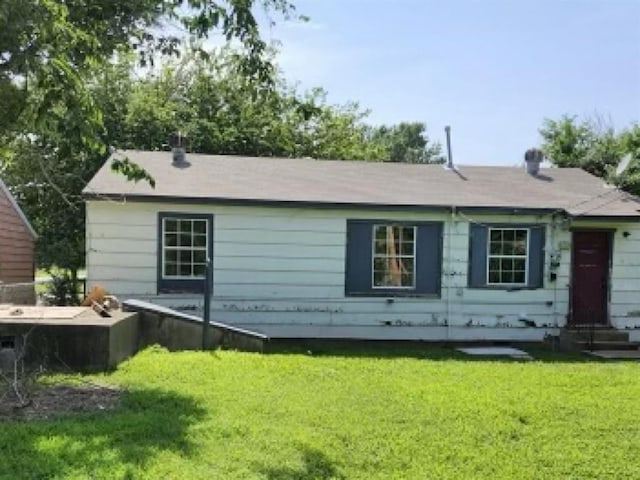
51, 400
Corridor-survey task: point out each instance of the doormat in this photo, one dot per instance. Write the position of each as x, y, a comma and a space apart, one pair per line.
496, 352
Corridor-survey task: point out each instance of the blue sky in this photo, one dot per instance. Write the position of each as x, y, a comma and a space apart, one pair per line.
491, 69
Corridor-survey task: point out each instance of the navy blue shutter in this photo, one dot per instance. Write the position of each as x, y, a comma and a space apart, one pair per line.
428, 258
358, 264
536, 256
477, 255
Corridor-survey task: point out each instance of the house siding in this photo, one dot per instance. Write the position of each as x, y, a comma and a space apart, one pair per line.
282, 271
16, 245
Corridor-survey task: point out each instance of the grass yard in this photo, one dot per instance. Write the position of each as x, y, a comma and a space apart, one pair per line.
369, 415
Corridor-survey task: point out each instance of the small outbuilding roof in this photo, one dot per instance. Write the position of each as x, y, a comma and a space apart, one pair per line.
5, 190
263, 180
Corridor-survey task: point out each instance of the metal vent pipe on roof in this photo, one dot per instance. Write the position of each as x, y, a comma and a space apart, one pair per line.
533, 158
447, 131
178, 143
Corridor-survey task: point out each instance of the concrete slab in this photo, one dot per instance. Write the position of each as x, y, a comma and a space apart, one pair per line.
18, 314
496, 352
616, 354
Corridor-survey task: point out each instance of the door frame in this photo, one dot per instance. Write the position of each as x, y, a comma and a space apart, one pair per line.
607, 304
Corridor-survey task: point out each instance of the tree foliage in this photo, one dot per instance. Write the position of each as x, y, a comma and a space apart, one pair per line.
55, 56
407, 142
594, 146
213, 103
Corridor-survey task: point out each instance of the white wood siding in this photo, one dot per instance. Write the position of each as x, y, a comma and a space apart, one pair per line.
283, 268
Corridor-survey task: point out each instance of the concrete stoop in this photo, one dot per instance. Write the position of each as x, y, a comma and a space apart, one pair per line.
594, 339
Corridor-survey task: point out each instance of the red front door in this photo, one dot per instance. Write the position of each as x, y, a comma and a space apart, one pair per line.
590, 278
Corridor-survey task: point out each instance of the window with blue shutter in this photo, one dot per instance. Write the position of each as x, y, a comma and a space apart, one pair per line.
506, 256
389, 258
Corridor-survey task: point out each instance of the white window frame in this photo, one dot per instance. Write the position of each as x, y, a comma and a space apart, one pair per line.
192, 248
374, 255
526, 256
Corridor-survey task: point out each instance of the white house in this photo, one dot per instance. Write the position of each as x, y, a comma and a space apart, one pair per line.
314, 248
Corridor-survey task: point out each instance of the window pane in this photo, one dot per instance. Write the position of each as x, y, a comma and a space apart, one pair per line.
381, 247
170, 225
519, 277
494, 277
407, 235
379, 264
407, 248
507, 248
171, 240
170, 269
199, 240
171, 256
494, 264
509, 235
199, 270
185, 226
495, 248
521, 235
406, 269
519, 264
506, 264
507, 277
185, 239
185, 270
200, 226
184, 256
199, 256
378, 279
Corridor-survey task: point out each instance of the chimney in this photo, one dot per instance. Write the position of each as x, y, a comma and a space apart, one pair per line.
178, 143
449, 165
533, 158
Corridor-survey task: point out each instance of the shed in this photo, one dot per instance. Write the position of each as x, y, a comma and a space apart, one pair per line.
17, 244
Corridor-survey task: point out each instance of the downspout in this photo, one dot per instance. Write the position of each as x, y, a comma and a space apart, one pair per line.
206, 319
449, 270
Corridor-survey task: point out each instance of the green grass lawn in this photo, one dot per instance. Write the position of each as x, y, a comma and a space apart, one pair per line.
368, 415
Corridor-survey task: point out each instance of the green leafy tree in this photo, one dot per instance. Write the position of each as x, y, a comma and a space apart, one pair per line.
53, 132
594, 146
407, 142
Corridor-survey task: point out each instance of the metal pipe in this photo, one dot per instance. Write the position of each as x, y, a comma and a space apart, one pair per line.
207, 304
447, 131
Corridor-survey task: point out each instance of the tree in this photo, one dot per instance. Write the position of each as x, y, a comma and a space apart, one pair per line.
208, 100
52, 134
407, 142
594, 146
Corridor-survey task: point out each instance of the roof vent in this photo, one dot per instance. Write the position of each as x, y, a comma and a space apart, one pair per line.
178, 144
533, 158
449, 165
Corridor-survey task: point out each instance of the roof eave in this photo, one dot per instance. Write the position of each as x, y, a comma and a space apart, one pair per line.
87, 195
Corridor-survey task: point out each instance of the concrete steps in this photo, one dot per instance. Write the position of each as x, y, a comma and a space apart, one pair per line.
597, 339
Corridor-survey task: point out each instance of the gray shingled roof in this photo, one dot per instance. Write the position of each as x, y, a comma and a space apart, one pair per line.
308, 181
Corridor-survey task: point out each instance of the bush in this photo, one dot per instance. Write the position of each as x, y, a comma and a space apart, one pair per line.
62, 290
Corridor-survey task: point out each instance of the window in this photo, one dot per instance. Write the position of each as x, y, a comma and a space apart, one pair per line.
507, 254
185, 242
393, 258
